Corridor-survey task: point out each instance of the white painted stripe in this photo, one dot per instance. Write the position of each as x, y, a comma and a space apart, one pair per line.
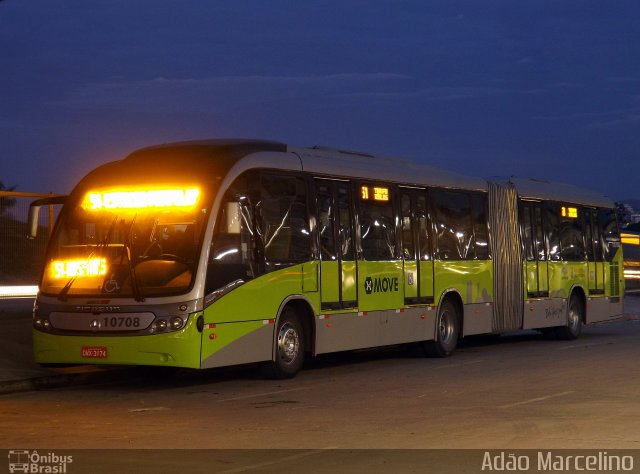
256, 395
539, 399
463, 364
18, 291
256, 466
582, 346
140, 410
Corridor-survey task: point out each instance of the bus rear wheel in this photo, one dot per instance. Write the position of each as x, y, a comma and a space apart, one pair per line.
574, 323
289, 353
447, 332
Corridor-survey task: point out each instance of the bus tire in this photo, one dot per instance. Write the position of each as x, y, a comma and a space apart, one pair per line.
447, 332
575, 314
289, 351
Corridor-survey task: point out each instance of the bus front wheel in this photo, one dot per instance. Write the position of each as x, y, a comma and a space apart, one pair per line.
289, 353
447, 332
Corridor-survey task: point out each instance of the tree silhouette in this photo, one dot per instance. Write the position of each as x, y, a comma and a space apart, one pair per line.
6, 202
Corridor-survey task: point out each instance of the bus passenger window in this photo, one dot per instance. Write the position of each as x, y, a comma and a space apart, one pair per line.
552, 227
480, 232
539, 232
377, 230
453, 225
408, 249
325, 223
572, 239
588, 235
284, 222
344, 223
610, 237
527, 232
424, 233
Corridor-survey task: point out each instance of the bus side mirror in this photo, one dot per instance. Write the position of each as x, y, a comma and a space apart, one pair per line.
34, 213
32, 226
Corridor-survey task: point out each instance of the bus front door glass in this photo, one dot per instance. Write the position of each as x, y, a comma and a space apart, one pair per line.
541, 253
337, 262
535, 254
425, 271
595, 262
411, 277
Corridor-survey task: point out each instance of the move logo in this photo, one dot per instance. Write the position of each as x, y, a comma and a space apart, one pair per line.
380, 285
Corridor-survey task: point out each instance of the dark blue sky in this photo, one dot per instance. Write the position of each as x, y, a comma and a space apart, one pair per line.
547, 89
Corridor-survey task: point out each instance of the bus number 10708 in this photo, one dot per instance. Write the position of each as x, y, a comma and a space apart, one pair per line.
120, 322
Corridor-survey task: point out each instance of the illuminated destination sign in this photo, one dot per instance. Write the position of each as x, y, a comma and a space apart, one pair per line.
141, 199
78, 268
570, 212
374, 193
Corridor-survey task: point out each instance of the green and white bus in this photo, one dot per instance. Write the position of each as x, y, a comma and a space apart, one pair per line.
224, 252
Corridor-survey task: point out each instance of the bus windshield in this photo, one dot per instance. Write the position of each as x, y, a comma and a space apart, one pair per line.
126, 243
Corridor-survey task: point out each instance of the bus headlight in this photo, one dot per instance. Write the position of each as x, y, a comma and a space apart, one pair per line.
176, 323
41, 323
159, 325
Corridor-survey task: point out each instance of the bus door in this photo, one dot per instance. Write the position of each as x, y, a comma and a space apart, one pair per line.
595, 259
380, 265
535, 252
418, 265
338, 277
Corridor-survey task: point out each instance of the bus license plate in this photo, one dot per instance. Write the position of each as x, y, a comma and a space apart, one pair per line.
94, 352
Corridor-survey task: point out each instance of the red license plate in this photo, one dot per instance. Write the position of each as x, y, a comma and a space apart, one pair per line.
94, 352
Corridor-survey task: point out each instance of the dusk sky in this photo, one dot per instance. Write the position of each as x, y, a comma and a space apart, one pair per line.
545, 89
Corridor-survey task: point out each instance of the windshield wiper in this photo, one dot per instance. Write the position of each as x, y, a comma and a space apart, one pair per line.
62, 296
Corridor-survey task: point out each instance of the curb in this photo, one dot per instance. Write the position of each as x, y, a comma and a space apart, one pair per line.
45, 382
56, 381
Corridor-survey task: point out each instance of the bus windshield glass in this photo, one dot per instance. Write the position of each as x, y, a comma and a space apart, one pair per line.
129, 243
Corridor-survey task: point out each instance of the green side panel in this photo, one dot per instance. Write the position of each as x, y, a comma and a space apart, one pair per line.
472, 279
426, 278
410, 279
530, 277
310, 276
329, 288
175, 349
380, 285
600, 276
591, 275
349, 281
543, 278
564, 275
259, 299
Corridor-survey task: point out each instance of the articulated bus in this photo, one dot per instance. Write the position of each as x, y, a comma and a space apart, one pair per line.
225, 252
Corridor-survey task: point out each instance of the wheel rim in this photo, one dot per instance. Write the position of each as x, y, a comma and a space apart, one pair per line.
288, 343
447, 328
574, 318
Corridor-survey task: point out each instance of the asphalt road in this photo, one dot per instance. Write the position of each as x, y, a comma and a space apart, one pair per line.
508, 392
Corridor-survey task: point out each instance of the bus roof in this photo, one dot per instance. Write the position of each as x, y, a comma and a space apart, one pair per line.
340, 163
528, 188
198, 158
